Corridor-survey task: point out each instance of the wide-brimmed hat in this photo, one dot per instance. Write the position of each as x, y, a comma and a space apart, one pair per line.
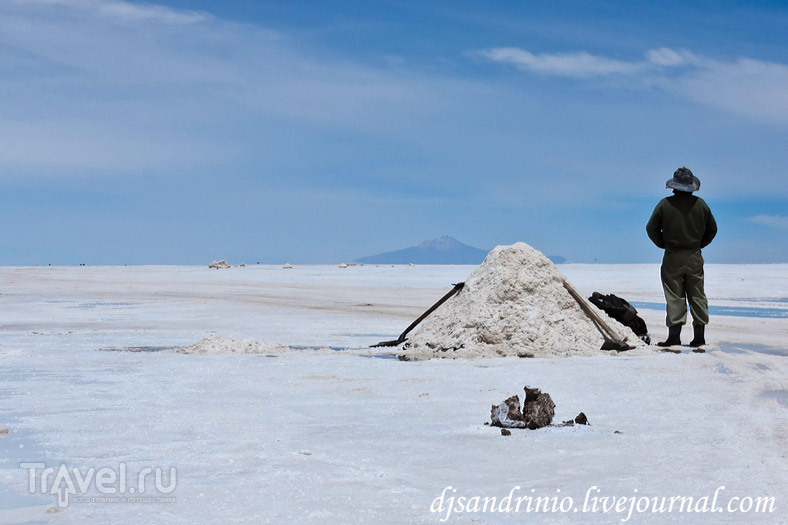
683, 180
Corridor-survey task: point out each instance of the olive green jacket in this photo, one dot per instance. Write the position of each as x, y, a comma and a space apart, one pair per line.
681, 222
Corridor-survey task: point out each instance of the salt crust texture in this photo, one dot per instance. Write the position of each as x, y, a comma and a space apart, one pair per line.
513, 303
220, 345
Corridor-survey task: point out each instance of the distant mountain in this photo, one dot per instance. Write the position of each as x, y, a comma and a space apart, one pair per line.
444, 250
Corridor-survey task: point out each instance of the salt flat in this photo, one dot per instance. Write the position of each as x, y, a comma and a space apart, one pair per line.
345, 436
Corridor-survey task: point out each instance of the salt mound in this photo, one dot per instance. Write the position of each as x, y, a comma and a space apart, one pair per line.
219, 264
220, 345
513, 303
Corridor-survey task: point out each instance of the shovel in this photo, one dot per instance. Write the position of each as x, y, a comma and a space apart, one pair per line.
403, 335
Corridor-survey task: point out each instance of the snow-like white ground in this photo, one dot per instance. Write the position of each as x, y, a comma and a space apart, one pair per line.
344, 436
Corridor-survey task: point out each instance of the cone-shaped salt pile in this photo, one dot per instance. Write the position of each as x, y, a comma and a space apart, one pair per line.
514, 303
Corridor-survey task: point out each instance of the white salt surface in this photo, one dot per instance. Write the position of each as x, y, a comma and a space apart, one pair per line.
513, 303
339, 437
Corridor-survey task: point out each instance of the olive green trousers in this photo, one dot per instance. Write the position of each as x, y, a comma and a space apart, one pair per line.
682, 282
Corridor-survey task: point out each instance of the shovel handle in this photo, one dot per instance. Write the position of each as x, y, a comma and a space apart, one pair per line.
607, 332
404, 335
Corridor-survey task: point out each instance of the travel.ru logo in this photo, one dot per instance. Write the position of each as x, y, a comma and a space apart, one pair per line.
66, 483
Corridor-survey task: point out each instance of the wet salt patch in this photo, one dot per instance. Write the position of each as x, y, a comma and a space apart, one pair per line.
239, 348
91, 304
96, 304
734, 311
211, 345
382, 336
318, 347
733, 348
137, 348
753, 299
781, 396
380, 356
346, 349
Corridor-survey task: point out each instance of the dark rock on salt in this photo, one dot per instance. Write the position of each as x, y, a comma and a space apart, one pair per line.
537, 411
505, 432
507, 414
581, 419
538, 408
513, 404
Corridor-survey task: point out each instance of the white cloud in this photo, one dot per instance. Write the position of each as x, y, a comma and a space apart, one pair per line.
773, 221
81, 92
127, 12
579, 64
132, 12
584, 64
748, 87
115, 87
753, 88
668, 57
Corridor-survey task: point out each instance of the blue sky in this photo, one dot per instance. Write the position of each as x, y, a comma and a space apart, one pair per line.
180, 132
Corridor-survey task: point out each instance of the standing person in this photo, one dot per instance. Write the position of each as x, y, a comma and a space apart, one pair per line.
682, 225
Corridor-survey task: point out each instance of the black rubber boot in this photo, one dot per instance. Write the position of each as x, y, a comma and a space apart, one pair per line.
700, 336
674, 337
